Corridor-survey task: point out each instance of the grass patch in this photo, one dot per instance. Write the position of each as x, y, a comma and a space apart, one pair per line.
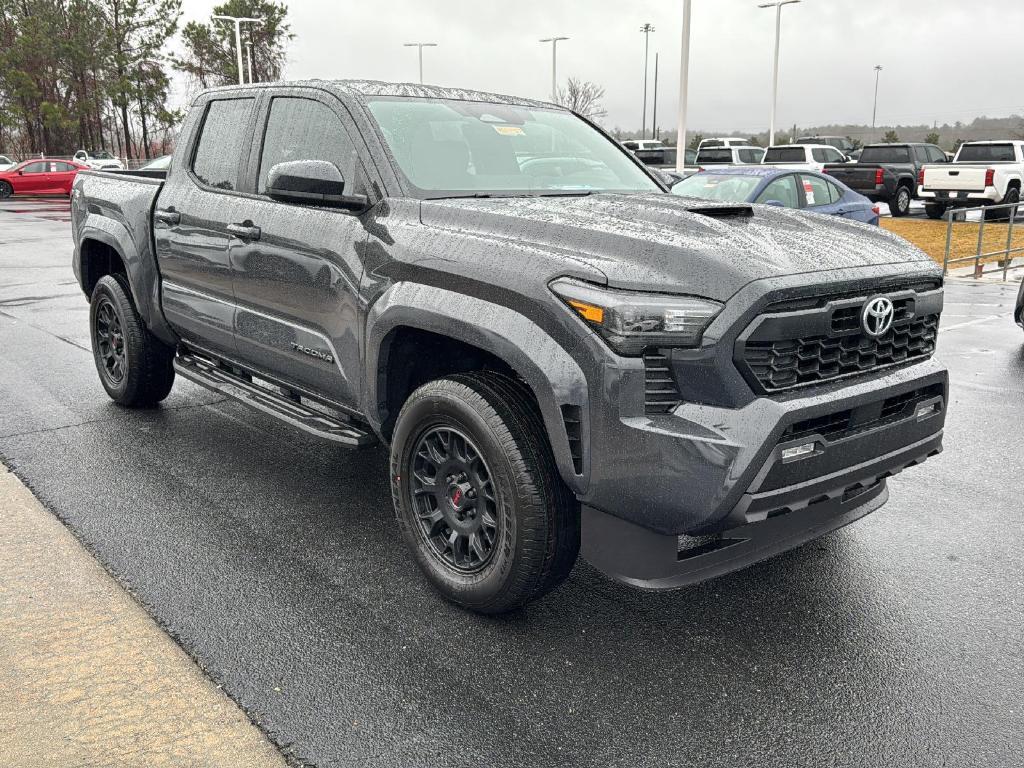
930, 237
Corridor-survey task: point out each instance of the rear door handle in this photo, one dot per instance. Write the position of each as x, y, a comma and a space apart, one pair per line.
167, 216
244, 231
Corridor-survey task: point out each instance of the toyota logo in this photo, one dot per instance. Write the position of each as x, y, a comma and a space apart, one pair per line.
877, 316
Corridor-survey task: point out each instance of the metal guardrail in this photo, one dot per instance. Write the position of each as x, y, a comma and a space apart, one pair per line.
987, 216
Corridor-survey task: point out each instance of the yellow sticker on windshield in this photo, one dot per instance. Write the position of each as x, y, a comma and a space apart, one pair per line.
509, 130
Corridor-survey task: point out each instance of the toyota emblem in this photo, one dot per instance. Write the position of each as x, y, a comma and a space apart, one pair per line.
877, 316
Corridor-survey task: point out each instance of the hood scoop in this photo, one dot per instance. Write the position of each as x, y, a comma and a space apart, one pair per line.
722, 211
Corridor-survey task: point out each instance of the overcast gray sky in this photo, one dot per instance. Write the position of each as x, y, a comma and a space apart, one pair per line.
944, 60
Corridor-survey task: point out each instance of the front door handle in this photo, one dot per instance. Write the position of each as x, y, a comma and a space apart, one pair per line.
167, 216
244, 231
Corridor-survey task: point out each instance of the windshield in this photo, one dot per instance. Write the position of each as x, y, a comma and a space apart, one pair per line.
718, 186
986, 153
885, 155
713, 156
785, 155
448, 148
101, 155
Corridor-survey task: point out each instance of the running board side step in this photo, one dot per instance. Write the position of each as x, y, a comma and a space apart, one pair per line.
207, 373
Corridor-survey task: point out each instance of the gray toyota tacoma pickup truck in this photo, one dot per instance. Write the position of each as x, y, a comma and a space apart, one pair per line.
560, 356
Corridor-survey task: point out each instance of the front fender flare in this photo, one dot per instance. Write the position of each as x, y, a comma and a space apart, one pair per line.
555, 378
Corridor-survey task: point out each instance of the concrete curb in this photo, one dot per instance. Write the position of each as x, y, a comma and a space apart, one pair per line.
89, 679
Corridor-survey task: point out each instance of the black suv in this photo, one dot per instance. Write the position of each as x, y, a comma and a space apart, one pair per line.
559, 354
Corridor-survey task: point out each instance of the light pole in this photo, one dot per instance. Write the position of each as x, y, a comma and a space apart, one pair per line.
654, 109
554, 65
684, 87
775, 69
248, 53
646, 29
239, 20
421, 46
874, 110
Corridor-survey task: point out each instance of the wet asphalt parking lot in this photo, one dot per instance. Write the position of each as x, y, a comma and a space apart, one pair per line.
275, 562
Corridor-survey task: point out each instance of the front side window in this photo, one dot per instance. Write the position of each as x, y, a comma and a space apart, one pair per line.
222, 142
303, 129
451, 148
39, 167
782, 190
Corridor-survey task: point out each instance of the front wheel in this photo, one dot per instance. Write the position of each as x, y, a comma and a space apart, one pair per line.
135, 368
6, 190
899, 205
480, 503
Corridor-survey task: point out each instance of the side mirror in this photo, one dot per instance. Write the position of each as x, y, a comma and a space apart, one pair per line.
316, 182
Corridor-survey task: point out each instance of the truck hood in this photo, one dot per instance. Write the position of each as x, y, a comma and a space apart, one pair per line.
674, 244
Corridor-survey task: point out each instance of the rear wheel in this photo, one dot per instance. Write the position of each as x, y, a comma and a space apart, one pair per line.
1005, 214
6, 190
899, 204
935, 210
135, 368
478, 498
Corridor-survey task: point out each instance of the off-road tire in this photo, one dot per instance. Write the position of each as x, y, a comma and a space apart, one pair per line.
899, 203
538, 536
147, 370
935, 210
1012, 196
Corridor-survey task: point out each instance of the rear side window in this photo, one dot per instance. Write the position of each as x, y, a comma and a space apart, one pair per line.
303, 129
222, 142
65, 167
921, 154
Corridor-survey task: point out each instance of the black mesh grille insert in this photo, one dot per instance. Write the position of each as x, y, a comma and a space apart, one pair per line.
573, 431
792, 362
660, 392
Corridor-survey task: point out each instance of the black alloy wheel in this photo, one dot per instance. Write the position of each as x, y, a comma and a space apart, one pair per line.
454, 500
110, 345
6, 190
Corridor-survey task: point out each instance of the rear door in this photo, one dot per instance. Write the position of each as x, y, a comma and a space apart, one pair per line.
297, 284
199, 201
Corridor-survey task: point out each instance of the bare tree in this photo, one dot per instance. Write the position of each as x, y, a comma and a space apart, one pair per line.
583, 98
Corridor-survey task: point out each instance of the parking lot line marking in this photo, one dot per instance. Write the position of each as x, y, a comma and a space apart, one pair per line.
979, 321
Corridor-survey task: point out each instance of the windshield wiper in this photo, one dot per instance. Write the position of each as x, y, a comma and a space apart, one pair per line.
569, 193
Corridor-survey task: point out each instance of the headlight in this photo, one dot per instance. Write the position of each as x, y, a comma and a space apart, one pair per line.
630, 321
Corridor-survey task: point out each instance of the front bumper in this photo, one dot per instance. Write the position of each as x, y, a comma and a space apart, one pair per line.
713, 492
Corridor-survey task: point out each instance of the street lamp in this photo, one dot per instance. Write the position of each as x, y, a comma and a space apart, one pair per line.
646, 29
874, 111
421, 46
554, 65
684, 86
775, 70
248, 53
239, 20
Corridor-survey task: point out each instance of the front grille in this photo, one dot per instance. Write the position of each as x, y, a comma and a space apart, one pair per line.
853, 421
794, 362
660, 392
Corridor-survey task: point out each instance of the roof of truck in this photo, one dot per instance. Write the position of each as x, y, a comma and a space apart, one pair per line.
364, 88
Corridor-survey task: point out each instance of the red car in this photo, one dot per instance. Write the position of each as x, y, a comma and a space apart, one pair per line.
40, 177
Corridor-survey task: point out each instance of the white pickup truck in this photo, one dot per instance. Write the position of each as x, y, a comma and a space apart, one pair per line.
982, 173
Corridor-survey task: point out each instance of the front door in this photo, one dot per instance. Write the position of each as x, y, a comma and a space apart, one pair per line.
191, 223
296, 274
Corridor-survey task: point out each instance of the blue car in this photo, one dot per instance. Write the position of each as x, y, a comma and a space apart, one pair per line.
804, 190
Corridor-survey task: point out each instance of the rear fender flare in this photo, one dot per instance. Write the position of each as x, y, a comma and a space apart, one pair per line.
143, 275
555, 378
